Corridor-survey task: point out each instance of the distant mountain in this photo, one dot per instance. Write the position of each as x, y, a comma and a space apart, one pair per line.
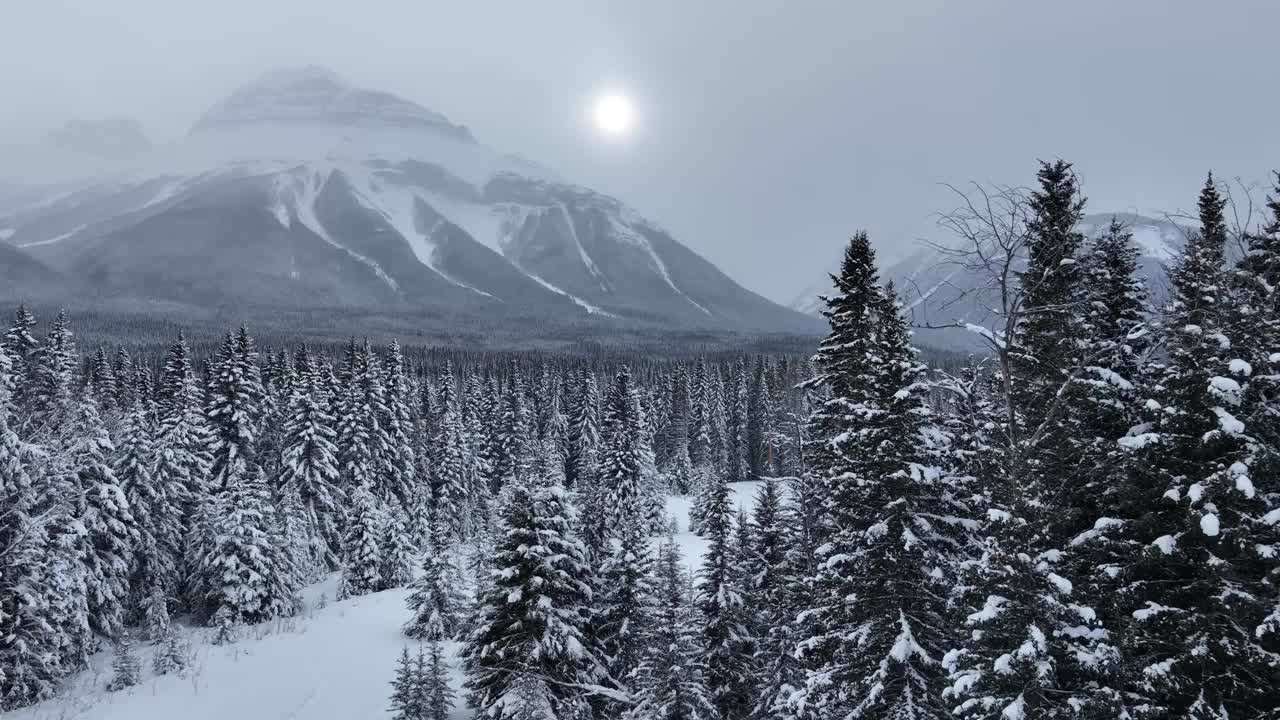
935, 291
301, 192
109, 138
25, 277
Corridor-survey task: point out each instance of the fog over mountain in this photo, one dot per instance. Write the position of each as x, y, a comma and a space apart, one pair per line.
300, 191
764, 154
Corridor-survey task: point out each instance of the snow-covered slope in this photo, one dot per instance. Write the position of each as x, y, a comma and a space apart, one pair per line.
301, 191
333, 662
934, 290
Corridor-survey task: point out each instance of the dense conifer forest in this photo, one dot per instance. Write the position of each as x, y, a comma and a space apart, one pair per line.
1081, 522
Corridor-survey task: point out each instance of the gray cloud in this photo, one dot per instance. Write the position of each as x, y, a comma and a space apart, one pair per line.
768, 131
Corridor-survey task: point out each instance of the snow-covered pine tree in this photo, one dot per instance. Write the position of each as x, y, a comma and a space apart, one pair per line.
173, 656
1053, 288
437, 601
395, 549
155, 615
1201, 588
104, 512
1255, 333
479, 460
880, 603
103, 380
514, 434
309, 465
653, 489
1035, 648
156, 508
736, 401
778, 585
123, 367
698, 408
625, 601
30, 638
234, 409
183, 449
669, 682
449, 448
363, 443
50, 386
755, 419
126, 671
21, 343
241, 575
407, 701
843, 372
725, 638
362, 558
183, 458
526, 656
438, 696
399, 464
620, 461
276, 376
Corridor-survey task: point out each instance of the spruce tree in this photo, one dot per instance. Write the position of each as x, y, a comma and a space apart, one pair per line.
1051, 284
21, 343
399, 463
234, 409
725, 637
624, 607
1202, 585
242, 575
407, 701
155, 614
363, 444
436, 601
450, 446
125, 668
156, 507
103, 380
173, 656
104, 512
514, 433
526, 656
309, 465
30, 639
438, 697
50, 385
184, 460
362, 551
395, 550
1035, 646
669, 682
879, 614
620, 462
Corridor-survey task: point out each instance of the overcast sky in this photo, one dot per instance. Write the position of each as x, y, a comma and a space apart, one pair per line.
768, 131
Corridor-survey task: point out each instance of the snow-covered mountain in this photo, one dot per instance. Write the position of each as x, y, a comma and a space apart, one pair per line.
301, 192
935, 291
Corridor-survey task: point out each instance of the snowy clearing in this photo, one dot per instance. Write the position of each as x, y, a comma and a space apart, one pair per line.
329, 663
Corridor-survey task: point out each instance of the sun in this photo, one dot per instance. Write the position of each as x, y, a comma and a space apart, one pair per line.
614, 114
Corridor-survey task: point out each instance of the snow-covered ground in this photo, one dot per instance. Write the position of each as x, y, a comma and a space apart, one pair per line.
333, 662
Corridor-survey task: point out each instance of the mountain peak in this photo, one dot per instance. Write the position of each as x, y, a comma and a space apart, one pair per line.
316, 95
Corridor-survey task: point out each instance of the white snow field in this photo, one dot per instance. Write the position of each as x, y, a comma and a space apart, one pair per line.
329, 663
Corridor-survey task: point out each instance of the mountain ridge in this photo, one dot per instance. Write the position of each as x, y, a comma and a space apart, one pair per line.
299, 190
936, 291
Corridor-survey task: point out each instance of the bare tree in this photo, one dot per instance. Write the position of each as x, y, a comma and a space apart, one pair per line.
991, 228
